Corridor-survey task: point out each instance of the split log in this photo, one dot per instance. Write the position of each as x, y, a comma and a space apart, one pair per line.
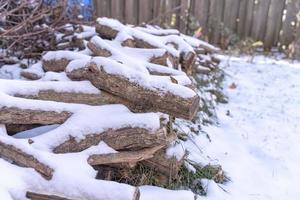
165, 165
142, 97
23, 159
118, 139
102, 48
131, 157
38, 196
15, 115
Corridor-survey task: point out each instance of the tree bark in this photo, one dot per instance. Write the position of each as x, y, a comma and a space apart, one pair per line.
23, 159
141, 97
123, 157
15, 115
119, 139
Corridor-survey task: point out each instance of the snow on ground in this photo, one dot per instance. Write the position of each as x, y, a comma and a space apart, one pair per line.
257, 141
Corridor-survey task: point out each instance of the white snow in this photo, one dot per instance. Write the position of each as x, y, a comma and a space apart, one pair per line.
258, 136
150, 82
69, 55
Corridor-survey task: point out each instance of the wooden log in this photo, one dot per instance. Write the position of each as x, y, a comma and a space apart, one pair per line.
118, 139
15, 115
16, 128
168, 166
23, 159
30, 75
100, 47
141, 97
39, 196
123, 157
55, 65
56, 61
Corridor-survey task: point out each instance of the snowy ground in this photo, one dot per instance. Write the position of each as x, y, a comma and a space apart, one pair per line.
257, 141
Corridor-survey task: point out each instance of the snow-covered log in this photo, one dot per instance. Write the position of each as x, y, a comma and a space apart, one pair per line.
57, 61
14, 115
168, 166
109, 28
118, 139
12, 153
144, 91
131, 157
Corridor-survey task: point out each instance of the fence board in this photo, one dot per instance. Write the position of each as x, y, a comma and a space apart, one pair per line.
145, 11
200, 12
216, 9
241, 21
117, 9
231, 12
288, 30
274, 23
184, 9
260, 15
131, 11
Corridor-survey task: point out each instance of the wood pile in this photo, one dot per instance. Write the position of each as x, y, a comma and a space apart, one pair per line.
79, 93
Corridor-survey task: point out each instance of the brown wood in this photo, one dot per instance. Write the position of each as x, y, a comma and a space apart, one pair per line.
165, 165
123, 157
131, 11
145, 11
215, 20
118, 139
260, 16
169, 103
13, 115
201, 12
39, 196
231, 12
117, 9
23, 159
55, 65
30, 75
241, 20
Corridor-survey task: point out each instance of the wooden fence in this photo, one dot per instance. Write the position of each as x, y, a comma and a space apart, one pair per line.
271, 21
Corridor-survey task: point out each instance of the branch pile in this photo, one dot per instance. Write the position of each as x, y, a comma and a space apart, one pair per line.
68, 123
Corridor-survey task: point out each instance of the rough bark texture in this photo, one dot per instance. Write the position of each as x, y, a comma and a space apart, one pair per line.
119, 139
143, 99
106, 32
165, 165
15, 115
81, 98
38, 196
55, 65
23, 159
187, 61
30, 75
123, 157
98, 50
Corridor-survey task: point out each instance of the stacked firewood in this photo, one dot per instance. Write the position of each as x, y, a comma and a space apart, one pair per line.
144, 68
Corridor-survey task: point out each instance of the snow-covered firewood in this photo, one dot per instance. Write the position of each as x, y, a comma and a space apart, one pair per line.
118, 139
57, 61
13, 153
131, 157
109, 28
144, 91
